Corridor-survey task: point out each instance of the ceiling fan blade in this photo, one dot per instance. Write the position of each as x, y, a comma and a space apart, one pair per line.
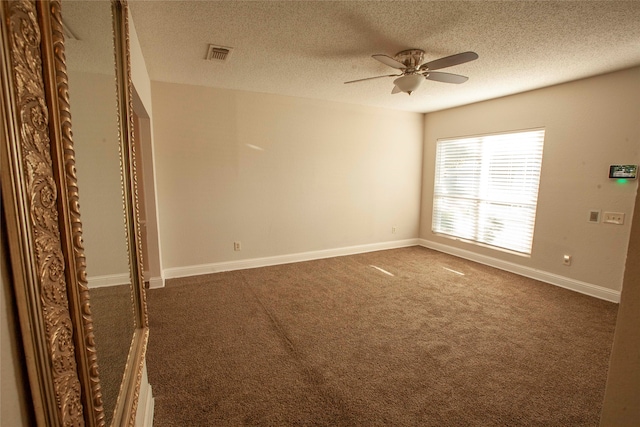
371, 78
449, 61
395, 90
445, 77
387, 60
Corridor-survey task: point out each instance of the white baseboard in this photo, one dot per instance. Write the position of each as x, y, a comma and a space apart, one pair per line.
146, 402
120, 279
543, 276
108, 280
156, 282
196, 270
149, 408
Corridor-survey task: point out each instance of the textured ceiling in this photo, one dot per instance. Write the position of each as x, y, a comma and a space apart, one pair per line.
89, 46
309, 48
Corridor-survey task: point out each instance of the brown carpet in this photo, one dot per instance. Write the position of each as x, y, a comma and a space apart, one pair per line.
113, 322
337, 342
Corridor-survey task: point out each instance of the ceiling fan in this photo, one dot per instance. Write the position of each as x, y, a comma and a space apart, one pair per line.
413, 71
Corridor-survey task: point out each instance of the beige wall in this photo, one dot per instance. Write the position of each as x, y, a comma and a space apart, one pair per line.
282, 175
622, 399
139, 73
95, 137
142, 107
589, 124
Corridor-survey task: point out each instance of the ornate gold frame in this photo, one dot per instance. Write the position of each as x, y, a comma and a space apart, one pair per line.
41, 208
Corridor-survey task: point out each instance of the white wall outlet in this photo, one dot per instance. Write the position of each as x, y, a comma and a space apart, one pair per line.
393, 229
566, 260
613, 218
594, 215
237, 246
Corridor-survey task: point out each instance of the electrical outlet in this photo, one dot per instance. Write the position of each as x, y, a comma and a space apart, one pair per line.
393, 229
237, 246
566, 260
613, 218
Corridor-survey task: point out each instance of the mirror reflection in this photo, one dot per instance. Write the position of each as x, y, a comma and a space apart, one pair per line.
94, 110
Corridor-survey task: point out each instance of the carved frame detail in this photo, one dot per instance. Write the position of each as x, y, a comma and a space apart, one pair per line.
57, 84
41, 208
43, 303
126, 407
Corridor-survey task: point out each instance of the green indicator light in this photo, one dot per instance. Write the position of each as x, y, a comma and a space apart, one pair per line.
621, 181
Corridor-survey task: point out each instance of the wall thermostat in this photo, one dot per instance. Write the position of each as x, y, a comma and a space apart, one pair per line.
623, 171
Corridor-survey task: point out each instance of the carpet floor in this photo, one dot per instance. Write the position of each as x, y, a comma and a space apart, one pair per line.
403, 337
113, 325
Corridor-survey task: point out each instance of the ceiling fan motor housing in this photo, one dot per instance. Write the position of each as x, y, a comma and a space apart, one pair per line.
411, 58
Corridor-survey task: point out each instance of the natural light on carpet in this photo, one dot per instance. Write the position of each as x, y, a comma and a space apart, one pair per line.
453, 271
380, 269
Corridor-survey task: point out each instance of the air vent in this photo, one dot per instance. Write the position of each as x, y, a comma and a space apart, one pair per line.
218, 53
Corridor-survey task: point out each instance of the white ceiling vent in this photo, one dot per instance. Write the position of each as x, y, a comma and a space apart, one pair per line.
218, 53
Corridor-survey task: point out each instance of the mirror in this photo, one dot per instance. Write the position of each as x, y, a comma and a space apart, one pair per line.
65, 317
91, 71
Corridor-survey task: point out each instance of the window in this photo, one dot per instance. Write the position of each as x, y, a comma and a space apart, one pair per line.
486, 188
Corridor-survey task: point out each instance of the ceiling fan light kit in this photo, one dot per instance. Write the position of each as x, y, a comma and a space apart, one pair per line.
408, 83
413, 71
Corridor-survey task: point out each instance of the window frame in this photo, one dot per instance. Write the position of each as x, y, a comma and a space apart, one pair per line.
477, 187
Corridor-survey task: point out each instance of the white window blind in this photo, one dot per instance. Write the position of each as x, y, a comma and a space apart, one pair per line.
486, 188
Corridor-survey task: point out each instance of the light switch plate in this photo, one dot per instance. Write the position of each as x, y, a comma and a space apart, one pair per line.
613, 218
